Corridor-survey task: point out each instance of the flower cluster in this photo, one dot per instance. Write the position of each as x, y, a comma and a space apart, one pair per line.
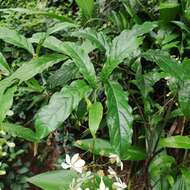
77, 164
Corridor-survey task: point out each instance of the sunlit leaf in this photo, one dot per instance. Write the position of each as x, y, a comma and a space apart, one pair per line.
59, 108
119, 117
60, 180
13, 37
95, 117
176, 142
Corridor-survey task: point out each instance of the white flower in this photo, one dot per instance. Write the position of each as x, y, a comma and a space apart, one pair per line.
114, 158
11, 144
75, 163
111, 172
119, 185
102, 185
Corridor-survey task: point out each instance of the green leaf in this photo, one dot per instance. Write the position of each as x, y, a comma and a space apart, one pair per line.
55, 180
95, 117
168, 10
4, 67
186, 175
119, 117
30, 69
165, 62
19, 131
184, 98
161, 164
104, 148
82, 61
60, 107
97, 38
36, 65
6, 101
86, 6
120, 51
44, 13
67, 72
13, 37
180, 184
50, 42
134, 153
176, 142
61, 26
96, 146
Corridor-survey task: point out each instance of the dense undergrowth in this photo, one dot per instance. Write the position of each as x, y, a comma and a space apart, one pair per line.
106, 80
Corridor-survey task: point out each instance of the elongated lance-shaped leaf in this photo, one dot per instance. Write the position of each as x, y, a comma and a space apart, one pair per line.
57, 45
36, 65
17, 130
104, 148
35, 12
60, 107
6, 101
50, 42
176, 142
59, 179
165, 62
119, 117
97, 38
126, 45
95, 117
13, 37
82, 60
86, 6
30, 69
61, 26
4, 67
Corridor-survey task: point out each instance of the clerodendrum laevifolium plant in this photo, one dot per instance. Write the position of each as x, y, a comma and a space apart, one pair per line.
91, 79
92, 83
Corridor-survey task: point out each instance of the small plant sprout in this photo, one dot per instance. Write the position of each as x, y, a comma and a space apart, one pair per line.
102, 185
114, 158
75, 163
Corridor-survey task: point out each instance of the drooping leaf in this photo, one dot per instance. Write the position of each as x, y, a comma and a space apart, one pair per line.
6, 101
176, 142
95, 117
67, 72
82, 61
119, 117
60, 179
60, 107
13, 37
104, 148
19, 131
98, 38
120, 50
4, 67
86, 6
